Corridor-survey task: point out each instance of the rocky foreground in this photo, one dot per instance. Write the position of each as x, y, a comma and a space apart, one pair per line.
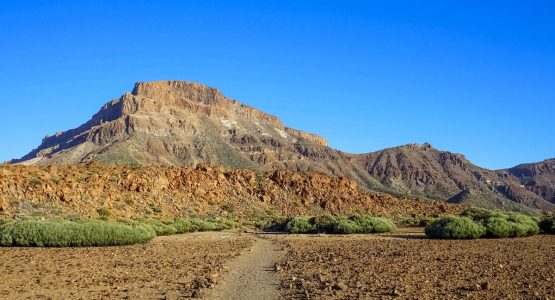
123, 191
406, 265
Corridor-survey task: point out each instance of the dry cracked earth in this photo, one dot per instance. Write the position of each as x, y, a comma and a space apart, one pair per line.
230, 265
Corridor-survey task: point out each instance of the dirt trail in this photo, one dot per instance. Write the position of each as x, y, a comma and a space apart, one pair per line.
252, 274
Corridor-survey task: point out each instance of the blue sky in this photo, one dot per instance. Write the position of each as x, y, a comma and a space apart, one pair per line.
473, 77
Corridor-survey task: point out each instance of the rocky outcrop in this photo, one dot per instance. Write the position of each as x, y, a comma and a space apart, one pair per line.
182, 191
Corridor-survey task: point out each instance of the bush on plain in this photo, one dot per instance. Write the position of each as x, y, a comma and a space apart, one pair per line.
453, 227
66, 233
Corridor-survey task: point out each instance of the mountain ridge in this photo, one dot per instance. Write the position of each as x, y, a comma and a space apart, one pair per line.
175, 123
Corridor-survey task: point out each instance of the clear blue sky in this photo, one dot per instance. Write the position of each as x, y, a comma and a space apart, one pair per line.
473, 77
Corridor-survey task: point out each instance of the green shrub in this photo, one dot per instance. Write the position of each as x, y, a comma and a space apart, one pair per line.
383, 225
228, 224
184, 226
160, 227
501, 224
213, 225
179, 226
300, 225
324, 223
364, 224
345, 226
498, 227
339, 225
203, 225
547, 225
455, 228
523, 225
65, 233
480, 214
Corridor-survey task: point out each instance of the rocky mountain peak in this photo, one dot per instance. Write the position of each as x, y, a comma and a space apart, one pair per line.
171, 122
172, 91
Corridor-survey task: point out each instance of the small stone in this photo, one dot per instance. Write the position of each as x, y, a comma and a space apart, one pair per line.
339, 286
485, 285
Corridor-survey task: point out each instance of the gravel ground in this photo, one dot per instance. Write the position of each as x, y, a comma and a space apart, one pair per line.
405, 265
172, 267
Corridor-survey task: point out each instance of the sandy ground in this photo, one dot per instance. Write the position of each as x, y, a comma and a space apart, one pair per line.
252, 275
173, 267
405, 265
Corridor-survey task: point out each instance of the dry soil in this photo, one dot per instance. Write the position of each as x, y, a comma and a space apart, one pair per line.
405, 265
173, 267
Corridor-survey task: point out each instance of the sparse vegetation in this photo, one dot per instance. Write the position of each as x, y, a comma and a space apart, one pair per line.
345, 226
338, 225
66, 233
453, 227
184, 226
547, 224
103, 213
76, 232
324, 223
272, 224
160, 227
477, 222
523, 225
498, 227
300, 225
414, 222
169, 227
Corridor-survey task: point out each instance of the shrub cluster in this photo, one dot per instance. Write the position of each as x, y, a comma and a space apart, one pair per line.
415, 222
453, 227
88, 232
272, 224
169, 227
339, 225
547, 225
475, 223
72, 233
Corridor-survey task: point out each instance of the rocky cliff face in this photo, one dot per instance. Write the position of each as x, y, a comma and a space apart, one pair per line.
177, 123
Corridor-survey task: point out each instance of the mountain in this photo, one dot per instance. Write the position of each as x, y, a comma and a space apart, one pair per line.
177, 123
421, 170
537, 178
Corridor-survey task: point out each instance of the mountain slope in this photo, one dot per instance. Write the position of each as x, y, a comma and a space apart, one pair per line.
537, 178
421, 170
175, 123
